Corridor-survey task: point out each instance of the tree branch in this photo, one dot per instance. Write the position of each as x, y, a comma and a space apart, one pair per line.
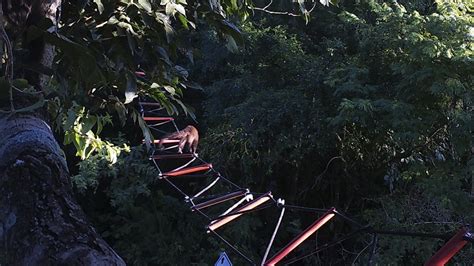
285, 13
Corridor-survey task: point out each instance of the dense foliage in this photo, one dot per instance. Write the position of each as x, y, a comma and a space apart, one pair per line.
99, 46
369, 110
368, 107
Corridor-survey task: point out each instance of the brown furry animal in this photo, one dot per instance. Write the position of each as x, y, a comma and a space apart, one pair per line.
188, 136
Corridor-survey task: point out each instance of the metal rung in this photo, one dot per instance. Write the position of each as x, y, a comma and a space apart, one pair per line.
173, 156
238, 212
195, 176
301, 237
166, 141
218, 200
189, 170
151, 118
453, 246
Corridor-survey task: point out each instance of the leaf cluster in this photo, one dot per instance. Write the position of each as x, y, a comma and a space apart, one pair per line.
364, 106
368, 108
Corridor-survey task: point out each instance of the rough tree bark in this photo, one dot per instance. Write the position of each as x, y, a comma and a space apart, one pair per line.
40, 221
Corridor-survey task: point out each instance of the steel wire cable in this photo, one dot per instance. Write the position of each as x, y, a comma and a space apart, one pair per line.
361, 228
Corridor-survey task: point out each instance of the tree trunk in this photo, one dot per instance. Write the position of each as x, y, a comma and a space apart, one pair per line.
40, 222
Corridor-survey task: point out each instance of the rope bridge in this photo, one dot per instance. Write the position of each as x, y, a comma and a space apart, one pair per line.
191, 166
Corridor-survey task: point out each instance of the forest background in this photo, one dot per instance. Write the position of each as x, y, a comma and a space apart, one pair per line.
363, 105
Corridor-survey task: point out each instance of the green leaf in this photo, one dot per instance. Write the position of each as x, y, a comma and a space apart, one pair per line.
232, 30
145, 4
21, 83
67, 138
233, 4
100, 125
165, 20
146, 132
70, 119
231, 44
121, 111
325, 2
170, 89
111, 154
80, 145
131, 90
77, 53
184, 21
180, 9
88, 123
182, 71
169, 9
100, 6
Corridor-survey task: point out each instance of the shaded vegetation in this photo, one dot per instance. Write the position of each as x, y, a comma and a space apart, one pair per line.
368, 108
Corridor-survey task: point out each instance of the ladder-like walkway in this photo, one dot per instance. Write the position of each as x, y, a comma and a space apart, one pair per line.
224, 192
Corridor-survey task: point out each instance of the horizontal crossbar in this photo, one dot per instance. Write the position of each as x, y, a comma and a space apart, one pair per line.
188, 170
239, 211
446, 252
165, 141
301, 237
218, 200
151, 118
173, 156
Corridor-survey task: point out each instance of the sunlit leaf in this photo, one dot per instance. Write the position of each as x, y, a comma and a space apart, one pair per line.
145, 4
180, 9
100, 6
170, 89
131, 90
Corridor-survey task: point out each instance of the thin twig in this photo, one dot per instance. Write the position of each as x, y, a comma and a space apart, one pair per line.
424, 223
276, 12
269, 4
265, 9
360, 253
26, 92
316, 179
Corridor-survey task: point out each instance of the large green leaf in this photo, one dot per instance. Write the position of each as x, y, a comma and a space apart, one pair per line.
131, 90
